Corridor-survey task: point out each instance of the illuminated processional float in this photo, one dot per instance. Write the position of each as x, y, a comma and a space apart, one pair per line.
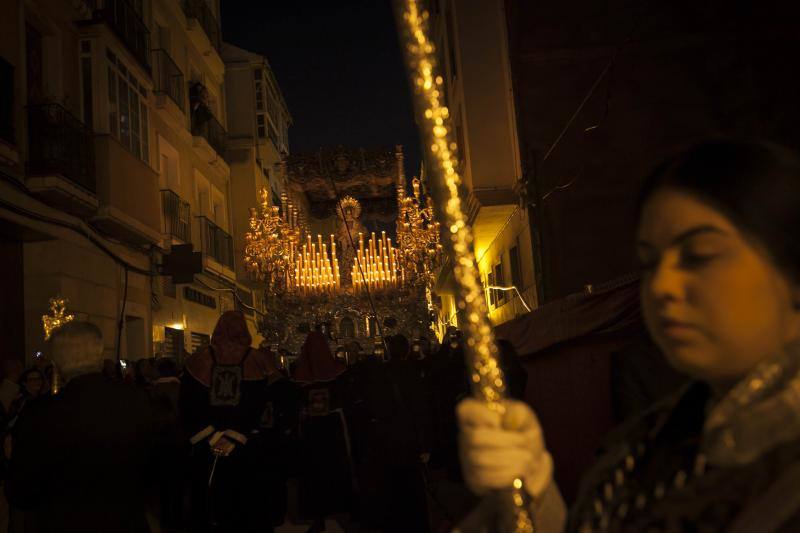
359, 285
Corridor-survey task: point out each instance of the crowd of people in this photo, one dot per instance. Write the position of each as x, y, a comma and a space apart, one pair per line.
235, 441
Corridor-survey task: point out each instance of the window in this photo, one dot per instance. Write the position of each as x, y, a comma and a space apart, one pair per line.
169, 166
272, 134
34, 63
6, 101
272, 105
173, 342
259, 95
499, 281
261, 123
492, 295
451, 43
86, 83
193, 295
218, 209
203, 194
516, 268
199, 341
127, 104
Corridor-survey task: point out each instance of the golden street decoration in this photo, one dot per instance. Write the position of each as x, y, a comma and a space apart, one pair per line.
58, 316
418, 234
272, 243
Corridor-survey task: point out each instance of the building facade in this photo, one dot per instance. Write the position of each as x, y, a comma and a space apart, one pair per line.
471, 40
113, 148
258, 140
604, 91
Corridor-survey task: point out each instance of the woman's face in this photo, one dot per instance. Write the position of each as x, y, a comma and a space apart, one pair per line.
34, 383
713, 301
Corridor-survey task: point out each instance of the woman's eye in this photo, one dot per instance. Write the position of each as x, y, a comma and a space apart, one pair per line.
695, 260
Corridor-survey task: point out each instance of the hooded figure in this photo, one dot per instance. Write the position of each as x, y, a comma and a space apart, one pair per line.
316, 362
325, 465
222, 400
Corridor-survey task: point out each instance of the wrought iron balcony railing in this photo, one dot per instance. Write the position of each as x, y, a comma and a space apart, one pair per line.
177, 216
168, 78
205, 124
127, 23
215, 242
59, 143
199, 9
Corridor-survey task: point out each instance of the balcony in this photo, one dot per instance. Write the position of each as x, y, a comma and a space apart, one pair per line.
215, 242
206, 126
168, 79
177, 216
128, 25
198, 10
127, 189
60, 166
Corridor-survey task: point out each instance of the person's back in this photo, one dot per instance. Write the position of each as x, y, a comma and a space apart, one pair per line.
223, 396
78, 458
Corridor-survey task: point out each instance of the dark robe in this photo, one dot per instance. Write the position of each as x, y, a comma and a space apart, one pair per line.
236, 499
171, 459
325, 464
79, 458
278, 440
450, 384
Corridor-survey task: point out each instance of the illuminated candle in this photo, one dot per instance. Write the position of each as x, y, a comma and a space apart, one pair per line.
391, 256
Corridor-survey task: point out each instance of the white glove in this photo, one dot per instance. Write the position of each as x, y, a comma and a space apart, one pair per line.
496, 450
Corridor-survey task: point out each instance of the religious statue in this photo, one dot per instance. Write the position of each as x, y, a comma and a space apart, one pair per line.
348, 228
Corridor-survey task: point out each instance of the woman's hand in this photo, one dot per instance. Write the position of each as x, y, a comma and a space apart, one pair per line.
497, 449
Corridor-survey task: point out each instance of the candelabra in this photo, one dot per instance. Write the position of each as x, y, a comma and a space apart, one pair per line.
417, 234
282, 254
272, 243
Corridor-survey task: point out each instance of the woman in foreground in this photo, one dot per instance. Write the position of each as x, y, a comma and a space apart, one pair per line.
719, 242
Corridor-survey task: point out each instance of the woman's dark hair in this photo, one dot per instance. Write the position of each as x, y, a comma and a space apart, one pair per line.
755, 184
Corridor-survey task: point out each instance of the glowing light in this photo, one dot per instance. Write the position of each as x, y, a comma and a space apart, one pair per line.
487, 378
58, 316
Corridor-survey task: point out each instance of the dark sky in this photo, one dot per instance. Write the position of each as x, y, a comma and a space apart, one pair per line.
339, 66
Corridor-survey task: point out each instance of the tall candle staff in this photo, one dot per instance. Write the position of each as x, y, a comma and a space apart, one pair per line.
488, 382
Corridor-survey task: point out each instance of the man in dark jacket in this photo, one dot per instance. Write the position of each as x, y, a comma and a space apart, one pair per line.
78, 458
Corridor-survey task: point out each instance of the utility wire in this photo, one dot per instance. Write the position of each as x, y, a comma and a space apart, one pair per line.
122, 316
594, 86
80, 230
